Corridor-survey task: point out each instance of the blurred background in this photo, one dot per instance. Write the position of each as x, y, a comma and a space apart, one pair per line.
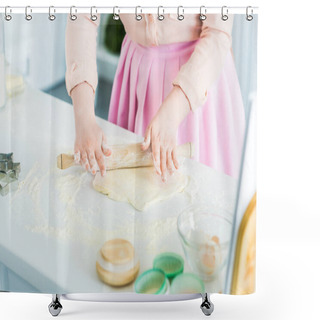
27, 57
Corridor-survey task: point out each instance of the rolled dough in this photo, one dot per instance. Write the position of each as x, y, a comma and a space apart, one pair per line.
139, 186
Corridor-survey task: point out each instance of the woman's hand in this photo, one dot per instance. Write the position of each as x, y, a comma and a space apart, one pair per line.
91, 143
91, 147
162, 130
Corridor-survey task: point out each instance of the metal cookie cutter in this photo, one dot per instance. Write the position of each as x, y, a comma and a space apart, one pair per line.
9, 172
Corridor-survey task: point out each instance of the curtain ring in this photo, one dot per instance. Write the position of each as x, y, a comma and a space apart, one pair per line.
160, 16
180, 15
249, 17
138, 16
116, 15
224, 13
202, 15
28, 16
73, 17
8, 17
94, 17
52, 16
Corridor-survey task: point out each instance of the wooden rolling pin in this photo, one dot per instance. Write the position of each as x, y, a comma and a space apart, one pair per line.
126, 156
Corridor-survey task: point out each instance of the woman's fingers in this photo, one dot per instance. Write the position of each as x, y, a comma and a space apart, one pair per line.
106, 151
92, 162
100, 161
164, 157
90, 149
147, 139
163, 162
84, 160
175, 158
104, 147
104, 139
76, 156
169, 161
156, 155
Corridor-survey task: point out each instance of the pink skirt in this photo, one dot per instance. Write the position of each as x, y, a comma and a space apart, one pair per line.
144, 78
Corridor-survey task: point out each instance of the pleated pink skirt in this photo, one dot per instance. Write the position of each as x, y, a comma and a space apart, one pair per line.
144, 78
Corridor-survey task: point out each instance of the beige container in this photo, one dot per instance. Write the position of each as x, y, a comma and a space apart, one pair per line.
117, 263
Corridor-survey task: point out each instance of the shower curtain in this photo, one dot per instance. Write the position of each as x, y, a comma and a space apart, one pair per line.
124, 162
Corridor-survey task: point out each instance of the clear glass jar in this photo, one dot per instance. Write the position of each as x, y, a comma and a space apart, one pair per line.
205, 237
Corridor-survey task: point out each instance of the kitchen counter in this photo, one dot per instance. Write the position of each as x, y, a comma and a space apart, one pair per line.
53, 225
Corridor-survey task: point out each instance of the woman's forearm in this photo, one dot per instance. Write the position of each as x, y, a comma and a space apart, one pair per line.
175, 107
83, 103
182, 103
90, 143
161, 132
206, 62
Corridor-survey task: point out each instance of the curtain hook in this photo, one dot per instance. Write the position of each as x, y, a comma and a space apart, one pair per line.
52, 16
116, 15
28, 16
8, 17
203, 15
160, 16
138, 16
93, 16
249, 17
73, 17
224, 13
180, 15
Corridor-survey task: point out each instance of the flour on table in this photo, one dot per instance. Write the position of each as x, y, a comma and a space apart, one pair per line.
139, 186
32, 184
69, 185
72, 222
85, 226
26, 181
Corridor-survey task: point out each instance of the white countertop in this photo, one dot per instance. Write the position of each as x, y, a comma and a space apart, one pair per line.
50, 238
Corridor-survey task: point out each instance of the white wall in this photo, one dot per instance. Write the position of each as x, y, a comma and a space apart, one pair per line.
40, 62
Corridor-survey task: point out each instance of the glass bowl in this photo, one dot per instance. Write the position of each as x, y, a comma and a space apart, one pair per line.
170, 263
205, 238
152, 281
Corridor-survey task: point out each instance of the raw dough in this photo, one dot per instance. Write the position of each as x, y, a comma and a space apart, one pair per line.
139, 186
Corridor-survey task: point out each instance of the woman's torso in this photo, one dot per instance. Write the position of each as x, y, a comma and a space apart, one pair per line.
150, 31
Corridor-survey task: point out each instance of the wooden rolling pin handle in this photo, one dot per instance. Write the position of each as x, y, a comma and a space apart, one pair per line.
186, 150
65, 161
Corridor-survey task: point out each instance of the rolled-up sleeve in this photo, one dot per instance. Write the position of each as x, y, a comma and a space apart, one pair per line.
206, 62
81, 47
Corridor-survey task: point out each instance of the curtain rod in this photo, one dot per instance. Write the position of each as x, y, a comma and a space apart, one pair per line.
127, 9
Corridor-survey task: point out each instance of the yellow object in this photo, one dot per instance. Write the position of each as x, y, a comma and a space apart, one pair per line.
14, 84
117, 251
126, 156
116, 263
244, 272
141, 187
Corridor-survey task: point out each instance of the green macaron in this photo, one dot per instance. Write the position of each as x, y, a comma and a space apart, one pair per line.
187, 283
152, 281
171, 263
